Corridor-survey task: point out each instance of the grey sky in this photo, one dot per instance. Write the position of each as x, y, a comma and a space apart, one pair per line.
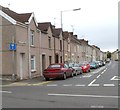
97, 21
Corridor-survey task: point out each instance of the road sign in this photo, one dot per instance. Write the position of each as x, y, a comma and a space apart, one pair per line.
12, 46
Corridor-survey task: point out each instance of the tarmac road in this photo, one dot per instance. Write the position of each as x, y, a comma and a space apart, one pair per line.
96, 89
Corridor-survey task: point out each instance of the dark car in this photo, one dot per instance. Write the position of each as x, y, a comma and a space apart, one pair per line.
57, 71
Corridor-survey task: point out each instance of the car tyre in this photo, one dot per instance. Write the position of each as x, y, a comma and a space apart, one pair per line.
72, 74
47, 79
81, 72
64, 76
75, 73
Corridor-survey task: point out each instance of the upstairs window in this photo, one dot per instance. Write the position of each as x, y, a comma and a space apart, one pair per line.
49, 42
32, 38
68, 47
60, 45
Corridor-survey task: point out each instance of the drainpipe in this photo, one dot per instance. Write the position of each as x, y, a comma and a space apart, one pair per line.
54, 50
29, 57
40, 55
1, 30
63, 51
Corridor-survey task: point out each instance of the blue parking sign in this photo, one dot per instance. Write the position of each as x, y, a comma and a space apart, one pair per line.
12, 46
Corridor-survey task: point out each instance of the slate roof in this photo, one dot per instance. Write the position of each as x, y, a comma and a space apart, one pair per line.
65, 34
57, 32
44, 26
24, 17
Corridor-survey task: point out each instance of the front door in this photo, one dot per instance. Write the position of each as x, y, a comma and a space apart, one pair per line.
43, 62
56, 58
21, 65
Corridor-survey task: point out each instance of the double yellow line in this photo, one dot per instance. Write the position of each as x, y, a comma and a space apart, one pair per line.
26, 84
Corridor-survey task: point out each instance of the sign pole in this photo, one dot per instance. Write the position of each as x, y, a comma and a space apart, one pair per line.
13, 61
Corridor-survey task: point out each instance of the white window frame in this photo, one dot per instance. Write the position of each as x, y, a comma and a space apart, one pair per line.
68, 47
34, 63
31, 38
49, 42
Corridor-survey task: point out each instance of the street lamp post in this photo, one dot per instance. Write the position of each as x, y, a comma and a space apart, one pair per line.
62, 23
67, 11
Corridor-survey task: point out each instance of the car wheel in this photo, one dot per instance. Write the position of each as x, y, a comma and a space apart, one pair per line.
64, 76
75, 73
47, 79
72, 74
81, 72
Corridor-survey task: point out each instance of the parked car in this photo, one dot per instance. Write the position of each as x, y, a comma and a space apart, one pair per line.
85, 66
76, 67
97, 64
100, 63
108, 60
57, 71
103, 62
93, 65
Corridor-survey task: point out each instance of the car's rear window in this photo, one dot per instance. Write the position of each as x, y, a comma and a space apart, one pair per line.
92, 63
54, 66
82, 64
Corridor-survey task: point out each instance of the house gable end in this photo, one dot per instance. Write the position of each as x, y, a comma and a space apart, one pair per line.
33, 17
4, 15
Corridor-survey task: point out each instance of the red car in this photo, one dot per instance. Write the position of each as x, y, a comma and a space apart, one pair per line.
57, 71
85, 66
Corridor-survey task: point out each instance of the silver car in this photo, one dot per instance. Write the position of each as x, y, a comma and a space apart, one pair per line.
76, 67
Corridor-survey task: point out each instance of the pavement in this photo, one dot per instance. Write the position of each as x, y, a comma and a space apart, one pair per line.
35, 80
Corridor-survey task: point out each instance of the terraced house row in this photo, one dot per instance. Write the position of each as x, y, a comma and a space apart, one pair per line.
28, 47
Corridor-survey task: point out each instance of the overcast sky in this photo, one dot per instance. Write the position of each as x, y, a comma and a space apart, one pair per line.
97, 21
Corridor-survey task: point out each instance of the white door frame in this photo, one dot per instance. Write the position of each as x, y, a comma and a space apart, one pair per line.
21, 65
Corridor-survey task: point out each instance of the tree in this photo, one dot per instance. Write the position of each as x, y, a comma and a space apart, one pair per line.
109, 54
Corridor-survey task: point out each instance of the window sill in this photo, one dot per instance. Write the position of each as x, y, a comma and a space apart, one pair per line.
33, 71
32, 46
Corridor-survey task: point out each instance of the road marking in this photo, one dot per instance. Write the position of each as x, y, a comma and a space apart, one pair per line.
92, 82
98, 70
26, 84
105, 70
77, 77
67, 85
86, 76
115, 78
94, 85
76, 95
102, 72
108, 85
37, 84
98, 76
77, 85
6, 91
52, 85
97, 106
